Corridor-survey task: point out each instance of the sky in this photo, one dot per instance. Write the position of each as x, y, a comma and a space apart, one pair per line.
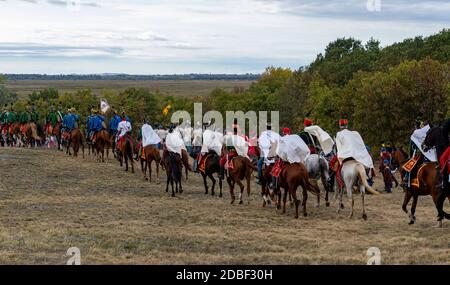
198, 36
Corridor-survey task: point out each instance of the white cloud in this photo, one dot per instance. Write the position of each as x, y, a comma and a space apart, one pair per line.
176, 36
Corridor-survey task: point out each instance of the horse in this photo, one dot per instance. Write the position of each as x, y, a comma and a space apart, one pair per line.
291, 177
211, 162
151, 153
55, 132
426, 185
75, 138
126, 151
172, 163
435, 139
399, 158
318, 169
353, 173
102, 141
241, 168
33, 134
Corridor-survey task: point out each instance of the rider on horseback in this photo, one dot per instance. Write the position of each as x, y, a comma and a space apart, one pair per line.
70, 120
96, 124
114, 122
123, 129
231, 150
52, 119
310, 141
266, 140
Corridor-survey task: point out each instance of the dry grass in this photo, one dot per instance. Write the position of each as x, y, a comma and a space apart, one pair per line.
171, 87
50, 202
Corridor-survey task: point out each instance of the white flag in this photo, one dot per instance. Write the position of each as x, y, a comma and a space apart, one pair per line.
104, 106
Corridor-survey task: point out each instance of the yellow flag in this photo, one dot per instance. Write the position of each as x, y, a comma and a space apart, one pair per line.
166, 110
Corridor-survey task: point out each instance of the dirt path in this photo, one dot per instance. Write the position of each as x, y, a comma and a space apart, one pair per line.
50, 202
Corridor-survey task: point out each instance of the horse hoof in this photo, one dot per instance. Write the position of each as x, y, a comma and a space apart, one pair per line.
317, 206
220, 196
232, 202
173, 195
327, 204
241, 202
213, 194
342, 206
305, 215
411, 222
146, 179
296, 216
364, 217
167, 190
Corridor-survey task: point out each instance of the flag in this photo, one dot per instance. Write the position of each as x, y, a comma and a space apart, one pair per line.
167, 109
104, 106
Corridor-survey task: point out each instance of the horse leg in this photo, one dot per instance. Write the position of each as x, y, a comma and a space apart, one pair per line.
413, 210
293, 193
171, 183
213, 184
249, 177
148, 164
157, 172
231, 185
144, 168
406, 200
220, 187
241, 186
205, 183
284, 200
305, 198
364, 215
352, 201
167, 185
340, 194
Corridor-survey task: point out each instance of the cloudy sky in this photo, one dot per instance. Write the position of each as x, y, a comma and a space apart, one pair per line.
196, 36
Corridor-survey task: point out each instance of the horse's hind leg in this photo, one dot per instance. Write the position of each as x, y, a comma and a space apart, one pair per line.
241, 186
285, 194
205, 183
249, 177
352, 201
364, 215
293, 193
406, 200
213, 183
220, 187
305, 198
231, 185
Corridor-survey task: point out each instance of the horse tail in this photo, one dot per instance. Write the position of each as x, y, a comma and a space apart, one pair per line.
176, 173
185, 160
362, 176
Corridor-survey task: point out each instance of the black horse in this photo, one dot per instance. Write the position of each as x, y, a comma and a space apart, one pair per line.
212, 165
435, 138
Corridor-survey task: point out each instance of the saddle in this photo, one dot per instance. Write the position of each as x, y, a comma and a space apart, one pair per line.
409, 166
202, 163
415, 181
279, 166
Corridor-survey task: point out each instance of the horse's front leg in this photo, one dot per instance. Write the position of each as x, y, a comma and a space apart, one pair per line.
406, 200
305, 198
241, 186
249, 177
285, 194
413, 210
293, 193
231, 185
352, 201
364, 215
220, 187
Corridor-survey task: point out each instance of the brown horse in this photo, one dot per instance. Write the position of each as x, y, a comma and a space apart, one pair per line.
425, 186
55, 132
172, 163
151, 153
33, 134
241, 169
74, 138
102, 142
212, 166
126, 151
291, 177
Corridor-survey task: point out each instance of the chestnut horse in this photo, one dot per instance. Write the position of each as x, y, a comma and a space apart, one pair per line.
426, 186
56, 132
126, 151
74, 138
291, 177
103, 141
172, 163
241, 169
212, 166
151, 153
185, 161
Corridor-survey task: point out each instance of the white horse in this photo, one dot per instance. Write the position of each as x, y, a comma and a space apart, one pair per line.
353, 173
318, 169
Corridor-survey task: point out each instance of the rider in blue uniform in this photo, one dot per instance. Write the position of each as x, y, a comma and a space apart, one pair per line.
114, 122
70, 120
96, 124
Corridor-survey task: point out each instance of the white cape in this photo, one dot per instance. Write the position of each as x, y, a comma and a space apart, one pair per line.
350, 144
197, 141
149, 136
293, 149
324, 139
239, 144
174, 142
418, 137
187, 135
212, 141
266, 140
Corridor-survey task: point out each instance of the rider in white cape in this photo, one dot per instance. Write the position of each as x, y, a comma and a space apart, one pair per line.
293, 149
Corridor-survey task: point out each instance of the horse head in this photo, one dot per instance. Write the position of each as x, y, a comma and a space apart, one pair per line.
432, 138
